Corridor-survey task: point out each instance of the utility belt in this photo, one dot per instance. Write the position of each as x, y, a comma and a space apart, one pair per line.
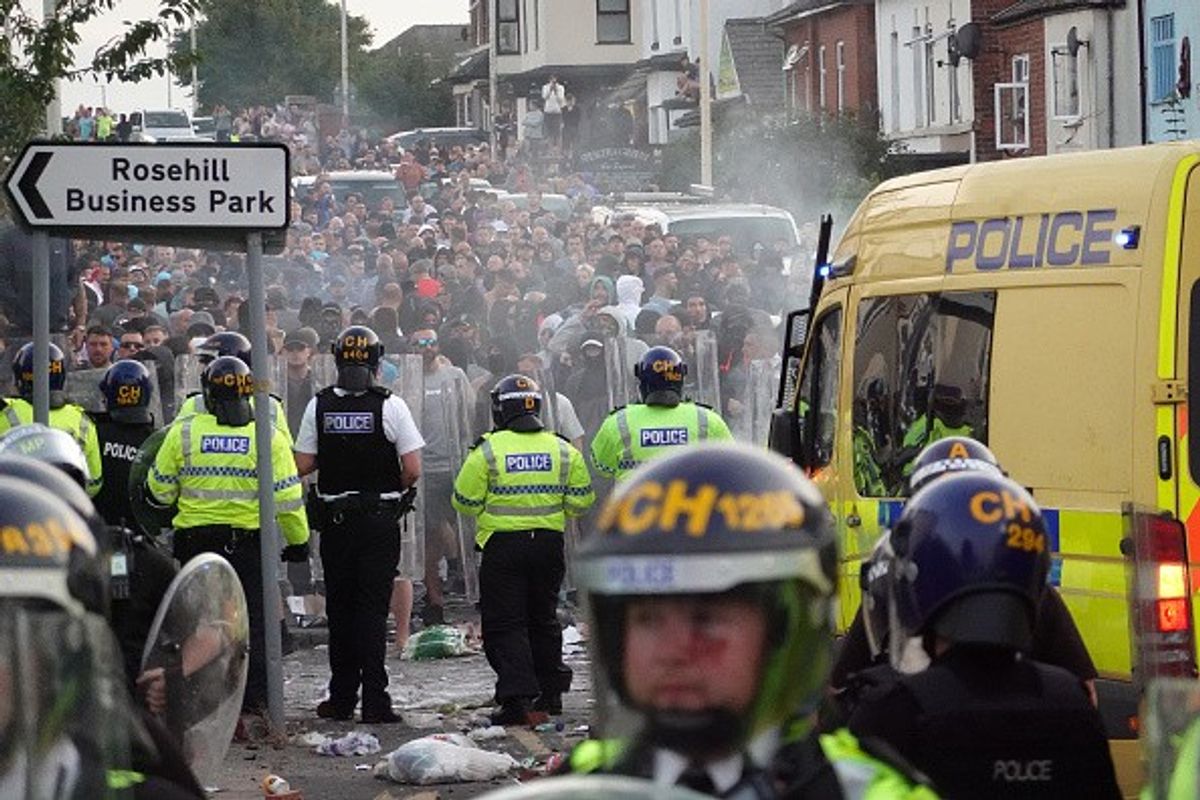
225, 538
324, 512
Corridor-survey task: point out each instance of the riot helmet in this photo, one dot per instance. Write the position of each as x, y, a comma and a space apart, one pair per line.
228, 387
517, 404
875, 583
949, 455
357, 352
127, 390
660, 376
972, 559
226, 343
721, 527
50, 446
22, 367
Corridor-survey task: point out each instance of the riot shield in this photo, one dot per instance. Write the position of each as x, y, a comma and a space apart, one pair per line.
622, 386
324, 370
150, 515
196, 656
405, 376
593, 787
706, 371
448, 412
756, 401
83, 389
187, 377
65, 719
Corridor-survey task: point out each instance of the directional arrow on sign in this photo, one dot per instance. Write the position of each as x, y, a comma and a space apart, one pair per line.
27, 185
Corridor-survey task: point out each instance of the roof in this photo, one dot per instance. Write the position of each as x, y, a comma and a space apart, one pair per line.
1027, 9
808, 7
757, 55
440, 41
472, 67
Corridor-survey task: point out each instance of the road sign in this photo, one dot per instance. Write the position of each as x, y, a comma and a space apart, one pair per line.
210, 192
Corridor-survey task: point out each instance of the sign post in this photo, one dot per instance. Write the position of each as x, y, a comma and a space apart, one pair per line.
222, 196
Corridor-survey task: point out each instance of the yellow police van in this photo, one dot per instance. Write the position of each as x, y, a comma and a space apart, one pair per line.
1045, 307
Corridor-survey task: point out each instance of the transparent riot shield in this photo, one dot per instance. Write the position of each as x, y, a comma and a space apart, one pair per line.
455, 406
618, 364
196, 658
65, 718
83, 389
1171, 739
706, 371
593, 787
187, 378
756, 401
324, 370
405, 376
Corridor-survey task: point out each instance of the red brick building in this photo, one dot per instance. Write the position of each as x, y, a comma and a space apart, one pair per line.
1013, 53
830, 61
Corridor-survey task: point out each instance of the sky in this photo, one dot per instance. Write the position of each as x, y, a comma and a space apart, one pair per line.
387, 18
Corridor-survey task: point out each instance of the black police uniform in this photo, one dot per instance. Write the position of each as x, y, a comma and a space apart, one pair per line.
360, 544
119, 444
984, 723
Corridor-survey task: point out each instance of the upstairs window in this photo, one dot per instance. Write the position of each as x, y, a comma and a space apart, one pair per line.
612, 21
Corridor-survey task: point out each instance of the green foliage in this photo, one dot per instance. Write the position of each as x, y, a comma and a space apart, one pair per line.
808, 166
398, 88
253, 53
36, 53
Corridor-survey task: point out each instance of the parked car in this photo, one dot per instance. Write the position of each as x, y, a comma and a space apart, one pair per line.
165, 125
205, 128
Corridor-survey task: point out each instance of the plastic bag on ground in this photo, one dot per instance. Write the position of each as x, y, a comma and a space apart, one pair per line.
355, 743
437, 641
434, 760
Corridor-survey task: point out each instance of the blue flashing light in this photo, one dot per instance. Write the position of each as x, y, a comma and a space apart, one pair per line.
1128, 238
824, 270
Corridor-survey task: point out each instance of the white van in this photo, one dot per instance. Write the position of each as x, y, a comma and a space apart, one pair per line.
167, 125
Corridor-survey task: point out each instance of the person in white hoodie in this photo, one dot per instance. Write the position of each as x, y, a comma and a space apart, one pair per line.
629, 297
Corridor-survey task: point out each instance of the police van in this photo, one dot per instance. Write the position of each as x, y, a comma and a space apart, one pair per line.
1045, 307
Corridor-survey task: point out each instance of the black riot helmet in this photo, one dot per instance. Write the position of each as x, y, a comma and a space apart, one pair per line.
517, 404
127, 391
720, 522
357, 352
660, 376
22, 367
228, 387
226, 343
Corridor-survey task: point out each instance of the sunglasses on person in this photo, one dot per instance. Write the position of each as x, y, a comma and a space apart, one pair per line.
425, 342
132, 346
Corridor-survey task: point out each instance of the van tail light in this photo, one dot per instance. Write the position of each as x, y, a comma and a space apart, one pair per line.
1163, 627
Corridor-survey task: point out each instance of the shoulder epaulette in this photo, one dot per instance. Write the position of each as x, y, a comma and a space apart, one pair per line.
615, 410
480, 440
275, 396
196, 393
564, 438
382, 391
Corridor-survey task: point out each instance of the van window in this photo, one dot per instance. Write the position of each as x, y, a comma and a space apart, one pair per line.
166, 119
819, 390
744, 231
921, 370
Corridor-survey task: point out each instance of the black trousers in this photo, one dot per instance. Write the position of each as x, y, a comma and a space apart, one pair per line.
359, 550
519, 580
242, 550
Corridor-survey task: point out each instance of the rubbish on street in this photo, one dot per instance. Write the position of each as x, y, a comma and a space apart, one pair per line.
444, 759
415, 719
355, 743
572, 641
310, 738
273, 786
487, 734
438, 641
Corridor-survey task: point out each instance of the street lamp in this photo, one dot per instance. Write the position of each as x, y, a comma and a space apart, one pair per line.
345, 73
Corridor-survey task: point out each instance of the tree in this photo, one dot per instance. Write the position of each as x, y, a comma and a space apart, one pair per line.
36, 53
253, 53
400, 90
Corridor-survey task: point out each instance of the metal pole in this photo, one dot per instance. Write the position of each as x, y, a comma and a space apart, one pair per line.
493, 76
54, 109
195, 73
345, 73
268, 535
706, 133
41, 327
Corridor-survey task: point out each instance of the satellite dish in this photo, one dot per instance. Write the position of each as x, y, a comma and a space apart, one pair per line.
1074, 42
968, 41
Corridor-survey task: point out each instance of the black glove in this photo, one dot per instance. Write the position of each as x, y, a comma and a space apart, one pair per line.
296, 553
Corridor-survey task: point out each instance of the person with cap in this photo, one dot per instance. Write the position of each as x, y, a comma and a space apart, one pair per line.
863, 662
121, 429
207, 464
972, 558
366, 445
521, 482
64, 416
299, 347
711, 582
632, 435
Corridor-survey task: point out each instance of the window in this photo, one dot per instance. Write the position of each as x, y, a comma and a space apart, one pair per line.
654, 45
508, 28
821, 77
1012, 116
1162, 58
819, 390
1020, 68
612, 21
894, 86
921, 372
1066, 83
537, 38
930, 73
840, 58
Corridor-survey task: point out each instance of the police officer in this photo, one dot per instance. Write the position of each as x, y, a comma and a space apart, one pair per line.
65, 416
363, 440
227, 343
207, 464
121, 429
634, 434
711, 580
971, 563
863, 663
522, 482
